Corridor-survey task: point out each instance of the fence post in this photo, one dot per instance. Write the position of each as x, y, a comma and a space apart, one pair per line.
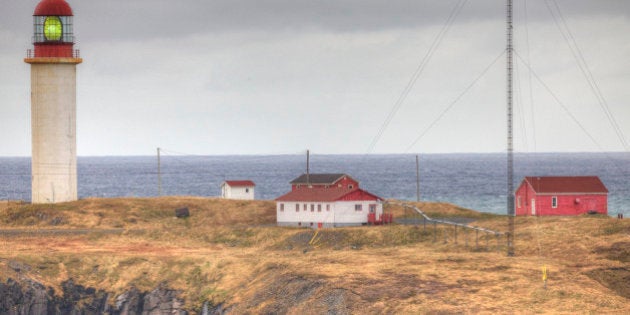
487, 245
466, 237
498, 242
434, 232
476, 238
445, 232
456, 234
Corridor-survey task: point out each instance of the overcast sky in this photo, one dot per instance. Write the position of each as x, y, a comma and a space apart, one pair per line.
278, 77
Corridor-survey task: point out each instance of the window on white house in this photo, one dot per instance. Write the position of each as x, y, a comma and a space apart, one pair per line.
319, 208
554, 202
247, 190
328, 207
297, 207
358, 207
305, 207
372, 208
312, 207
282, 207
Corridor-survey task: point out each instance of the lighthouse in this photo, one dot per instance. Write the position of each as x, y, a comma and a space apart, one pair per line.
53, 61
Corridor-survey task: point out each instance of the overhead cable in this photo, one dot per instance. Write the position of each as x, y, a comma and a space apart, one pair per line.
427, 57
450, 106
588, 75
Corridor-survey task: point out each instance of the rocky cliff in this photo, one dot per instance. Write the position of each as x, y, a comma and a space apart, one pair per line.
28, 297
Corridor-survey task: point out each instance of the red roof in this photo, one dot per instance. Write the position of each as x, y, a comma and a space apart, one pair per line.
240, 183
326, 195
53, 7
566, 184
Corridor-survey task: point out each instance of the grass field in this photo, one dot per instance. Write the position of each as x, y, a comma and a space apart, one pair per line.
230, 252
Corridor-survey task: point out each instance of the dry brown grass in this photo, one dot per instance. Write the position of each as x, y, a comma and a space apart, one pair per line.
137, 213
228, 252
435, 210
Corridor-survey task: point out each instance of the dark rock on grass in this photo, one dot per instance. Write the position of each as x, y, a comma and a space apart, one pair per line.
618, 251
616, 279
28, 297
182, 213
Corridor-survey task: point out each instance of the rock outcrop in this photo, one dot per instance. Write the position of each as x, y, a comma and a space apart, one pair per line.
28, 297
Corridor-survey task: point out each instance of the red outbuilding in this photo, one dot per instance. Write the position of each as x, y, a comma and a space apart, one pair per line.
561, 195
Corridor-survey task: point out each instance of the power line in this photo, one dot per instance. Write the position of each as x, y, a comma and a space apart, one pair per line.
529, 76
450, 106
566, 110
588, 75
519, 108
412, 81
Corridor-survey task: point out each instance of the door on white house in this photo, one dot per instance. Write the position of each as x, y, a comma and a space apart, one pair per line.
372, 208
533, 206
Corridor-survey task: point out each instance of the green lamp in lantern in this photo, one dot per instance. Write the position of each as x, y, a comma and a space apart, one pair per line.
52, 28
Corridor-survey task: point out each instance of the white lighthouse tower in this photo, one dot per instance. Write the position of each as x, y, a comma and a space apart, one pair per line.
53, 103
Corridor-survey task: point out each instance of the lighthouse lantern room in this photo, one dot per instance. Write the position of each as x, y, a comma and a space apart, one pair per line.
53, 103
53, 30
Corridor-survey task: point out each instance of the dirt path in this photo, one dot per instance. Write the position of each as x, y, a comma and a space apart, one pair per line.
53, 232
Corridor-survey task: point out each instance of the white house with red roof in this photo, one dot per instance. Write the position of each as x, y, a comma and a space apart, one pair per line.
561, 195
327, 200
238, 189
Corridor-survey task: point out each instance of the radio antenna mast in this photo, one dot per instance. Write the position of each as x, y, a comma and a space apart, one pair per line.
510, 139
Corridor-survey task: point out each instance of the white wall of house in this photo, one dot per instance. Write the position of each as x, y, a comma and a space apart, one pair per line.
239, 192
346, 211
340, 213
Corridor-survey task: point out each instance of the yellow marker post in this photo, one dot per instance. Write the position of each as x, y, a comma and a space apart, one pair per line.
544, 275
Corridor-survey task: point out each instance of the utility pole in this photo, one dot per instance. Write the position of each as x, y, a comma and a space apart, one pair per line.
510, 139
308, 175
159, 173
417, 179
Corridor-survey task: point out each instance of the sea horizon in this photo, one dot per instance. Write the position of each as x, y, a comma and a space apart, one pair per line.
346, 154
471, 180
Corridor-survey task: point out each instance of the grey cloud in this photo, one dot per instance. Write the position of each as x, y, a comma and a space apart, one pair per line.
139, 19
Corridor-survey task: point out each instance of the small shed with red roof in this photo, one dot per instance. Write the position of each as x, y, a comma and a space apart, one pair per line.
238, 189
561, 195
328, 200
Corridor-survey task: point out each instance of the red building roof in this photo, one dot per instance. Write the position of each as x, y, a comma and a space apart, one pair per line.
566, 184
328, 195
53, 7
240, 183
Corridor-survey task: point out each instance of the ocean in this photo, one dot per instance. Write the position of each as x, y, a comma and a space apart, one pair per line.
475, 181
